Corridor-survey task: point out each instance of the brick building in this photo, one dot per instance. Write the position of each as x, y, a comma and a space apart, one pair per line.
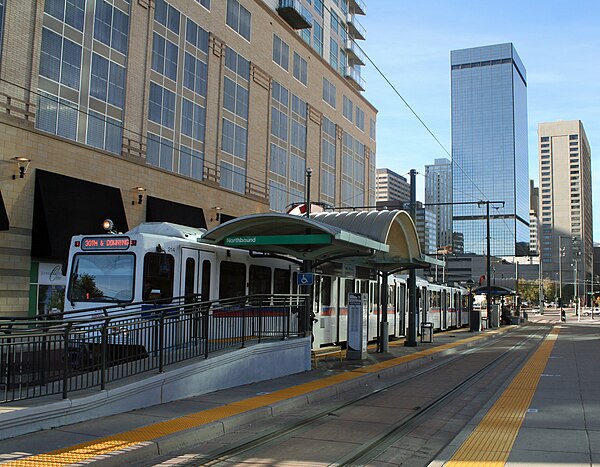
189, 111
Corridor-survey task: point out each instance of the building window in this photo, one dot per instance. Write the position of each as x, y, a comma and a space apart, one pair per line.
71, 11
281, 52
300, 69
238, 18
204, 3
238, 64
111, 26
196, 36
333, 54
235, 98
193, 119
318, 38
360, 119
191, 162
234, 139
164, 56
107, 81
161, 108
167, 15
104, 132
57, 116
195, 74
573, 137
233, 177
545, 139
348, 108
329, 93
159, 152
60, 59
373, 129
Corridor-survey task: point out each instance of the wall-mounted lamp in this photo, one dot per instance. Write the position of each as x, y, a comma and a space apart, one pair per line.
218, 210
139, 190
22, 165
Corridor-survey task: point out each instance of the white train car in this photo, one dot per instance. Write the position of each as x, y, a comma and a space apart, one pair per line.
164, 261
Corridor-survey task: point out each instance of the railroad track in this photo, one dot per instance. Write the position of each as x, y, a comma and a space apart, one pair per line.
456, 382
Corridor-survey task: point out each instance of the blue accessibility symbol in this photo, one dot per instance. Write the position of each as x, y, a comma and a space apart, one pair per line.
305, 278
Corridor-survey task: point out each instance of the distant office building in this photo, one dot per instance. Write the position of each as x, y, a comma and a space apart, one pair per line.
458, 242
534, 202
489, 148
391, 186
426, 223
566, 200
438, 190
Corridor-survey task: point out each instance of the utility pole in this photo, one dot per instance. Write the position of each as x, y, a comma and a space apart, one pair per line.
411, 338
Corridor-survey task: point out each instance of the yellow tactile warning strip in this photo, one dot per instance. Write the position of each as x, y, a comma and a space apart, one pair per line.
137, 437
492, 440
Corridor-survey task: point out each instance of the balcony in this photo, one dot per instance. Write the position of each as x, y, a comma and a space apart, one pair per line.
357, 7
352, 74
355, 29
294, 14
354, 53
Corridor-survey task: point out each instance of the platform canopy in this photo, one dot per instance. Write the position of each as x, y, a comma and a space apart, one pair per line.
383, 240
495, 290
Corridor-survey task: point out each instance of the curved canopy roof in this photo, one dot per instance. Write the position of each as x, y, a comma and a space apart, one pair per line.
385, 240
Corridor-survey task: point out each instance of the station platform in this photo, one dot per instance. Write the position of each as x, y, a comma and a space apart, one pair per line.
559, 425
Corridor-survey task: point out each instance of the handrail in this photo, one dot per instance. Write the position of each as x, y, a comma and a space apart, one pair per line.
40, 356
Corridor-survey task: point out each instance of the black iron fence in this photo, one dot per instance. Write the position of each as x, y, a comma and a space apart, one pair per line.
58, 354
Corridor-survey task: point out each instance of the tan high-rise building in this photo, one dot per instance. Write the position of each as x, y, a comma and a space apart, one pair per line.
565, 210
189, 111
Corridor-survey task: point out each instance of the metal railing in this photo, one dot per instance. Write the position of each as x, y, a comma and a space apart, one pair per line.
64, 353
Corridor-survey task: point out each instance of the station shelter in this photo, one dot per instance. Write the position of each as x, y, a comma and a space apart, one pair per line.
383, 241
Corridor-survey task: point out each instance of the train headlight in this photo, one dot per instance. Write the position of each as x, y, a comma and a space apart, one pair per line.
108, 225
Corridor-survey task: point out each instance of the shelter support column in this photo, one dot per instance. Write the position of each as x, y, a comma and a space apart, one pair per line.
384, 330
411, 338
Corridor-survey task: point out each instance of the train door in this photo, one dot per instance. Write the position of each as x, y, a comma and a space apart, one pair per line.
443, 309
195, 275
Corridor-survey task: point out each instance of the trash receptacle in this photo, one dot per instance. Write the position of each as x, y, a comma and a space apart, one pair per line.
427, 332
484, 323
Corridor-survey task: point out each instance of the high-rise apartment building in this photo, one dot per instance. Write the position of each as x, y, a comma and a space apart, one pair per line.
489, 148
170, 110
566, 202
534, 222
391, 186
426, 225
438, 195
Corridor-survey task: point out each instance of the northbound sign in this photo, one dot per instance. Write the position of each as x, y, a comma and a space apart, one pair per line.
315, 239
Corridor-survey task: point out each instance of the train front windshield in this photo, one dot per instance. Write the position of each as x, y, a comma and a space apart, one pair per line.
102, 278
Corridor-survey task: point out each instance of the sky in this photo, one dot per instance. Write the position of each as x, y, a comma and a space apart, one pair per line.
410, 43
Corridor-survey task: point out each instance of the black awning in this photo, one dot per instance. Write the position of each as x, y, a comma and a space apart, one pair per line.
162, 210
65, 206
3, 215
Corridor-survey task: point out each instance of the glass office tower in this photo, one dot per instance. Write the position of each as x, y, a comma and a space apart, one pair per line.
489, 149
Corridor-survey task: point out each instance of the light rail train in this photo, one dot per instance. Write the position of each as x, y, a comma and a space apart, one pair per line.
163, 260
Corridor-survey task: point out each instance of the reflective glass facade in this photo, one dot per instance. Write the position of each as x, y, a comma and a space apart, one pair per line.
489, 148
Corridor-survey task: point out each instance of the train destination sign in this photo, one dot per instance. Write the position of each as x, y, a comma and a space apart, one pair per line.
314, 239
105, 243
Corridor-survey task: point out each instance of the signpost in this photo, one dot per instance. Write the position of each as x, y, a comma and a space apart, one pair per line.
357, 326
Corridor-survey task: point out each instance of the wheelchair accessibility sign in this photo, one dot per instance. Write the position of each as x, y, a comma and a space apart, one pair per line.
305, 278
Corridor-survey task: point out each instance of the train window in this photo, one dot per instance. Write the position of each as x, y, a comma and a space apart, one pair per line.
158, 275
190, 279
260, 280
232, 280
102, 278
281, 281
326, 291
205, 280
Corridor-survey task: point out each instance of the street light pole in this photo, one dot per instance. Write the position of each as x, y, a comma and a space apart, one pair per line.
411, 337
